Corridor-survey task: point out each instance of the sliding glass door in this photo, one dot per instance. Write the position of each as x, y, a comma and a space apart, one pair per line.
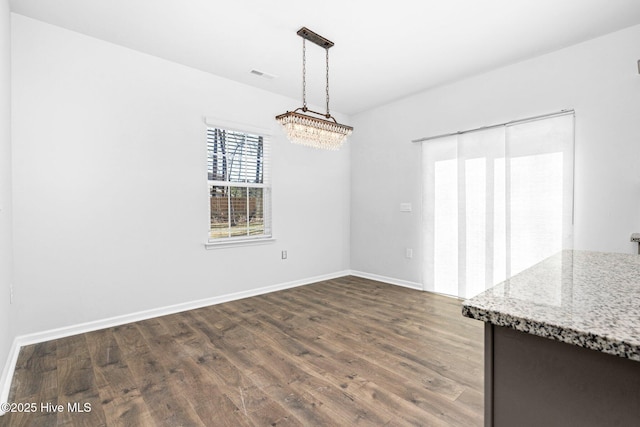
496, 201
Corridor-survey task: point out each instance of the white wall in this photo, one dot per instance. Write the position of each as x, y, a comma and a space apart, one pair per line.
110, 206
6, 264
598, 78
110, 193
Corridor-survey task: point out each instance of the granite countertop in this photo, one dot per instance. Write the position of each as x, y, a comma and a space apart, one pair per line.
589, 299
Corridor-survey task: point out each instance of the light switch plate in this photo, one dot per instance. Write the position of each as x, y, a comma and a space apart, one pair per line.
405, 207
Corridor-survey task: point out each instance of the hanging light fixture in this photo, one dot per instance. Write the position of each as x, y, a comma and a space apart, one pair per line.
301, 128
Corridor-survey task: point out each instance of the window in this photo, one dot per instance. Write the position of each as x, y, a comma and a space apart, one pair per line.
496, 201
239, 188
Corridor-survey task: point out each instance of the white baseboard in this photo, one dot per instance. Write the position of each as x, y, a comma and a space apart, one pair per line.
38, 337
399, 282
390, 280
7, 373
163, 311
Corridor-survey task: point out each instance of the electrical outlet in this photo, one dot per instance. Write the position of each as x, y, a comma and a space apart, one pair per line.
408, 253
405, 207
284, 254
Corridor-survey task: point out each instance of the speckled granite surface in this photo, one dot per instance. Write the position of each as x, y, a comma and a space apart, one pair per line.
589, 299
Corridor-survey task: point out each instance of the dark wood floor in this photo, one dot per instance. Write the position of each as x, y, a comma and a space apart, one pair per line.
342, 352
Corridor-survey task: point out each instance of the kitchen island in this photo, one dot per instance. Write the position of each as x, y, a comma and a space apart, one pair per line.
562, 342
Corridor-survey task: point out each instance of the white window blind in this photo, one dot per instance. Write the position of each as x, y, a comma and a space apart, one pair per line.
496, 201
239, 185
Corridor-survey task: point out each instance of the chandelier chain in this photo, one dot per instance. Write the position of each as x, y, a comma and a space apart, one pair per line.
327, 51
304, 73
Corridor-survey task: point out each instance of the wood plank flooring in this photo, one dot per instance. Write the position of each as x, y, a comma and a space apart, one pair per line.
342, 352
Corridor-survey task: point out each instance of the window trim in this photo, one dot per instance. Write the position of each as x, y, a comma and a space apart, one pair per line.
237, 127
236, 242
239, 241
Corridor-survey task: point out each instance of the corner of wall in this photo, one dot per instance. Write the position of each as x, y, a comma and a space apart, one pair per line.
6, 228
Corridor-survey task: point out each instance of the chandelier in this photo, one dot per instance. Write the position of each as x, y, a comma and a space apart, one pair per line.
300, 127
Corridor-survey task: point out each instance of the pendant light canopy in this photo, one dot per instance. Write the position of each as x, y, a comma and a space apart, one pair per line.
302, 128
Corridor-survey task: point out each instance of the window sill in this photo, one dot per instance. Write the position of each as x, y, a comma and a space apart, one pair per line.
239, 243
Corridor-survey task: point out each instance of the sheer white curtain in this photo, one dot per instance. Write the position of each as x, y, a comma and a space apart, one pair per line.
496, 201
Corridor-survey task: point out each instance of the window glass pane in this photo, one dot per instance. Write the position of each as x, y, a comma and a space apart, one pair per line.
216, 155
235, 156
256, 211
238, 211
219, 212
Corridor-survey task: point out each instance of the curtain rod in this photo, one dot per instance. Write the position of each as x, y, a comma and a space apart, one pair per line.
513, 122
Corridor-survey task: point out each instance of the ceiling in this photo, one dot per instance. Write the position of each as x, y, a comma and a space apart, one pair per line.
384, 50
